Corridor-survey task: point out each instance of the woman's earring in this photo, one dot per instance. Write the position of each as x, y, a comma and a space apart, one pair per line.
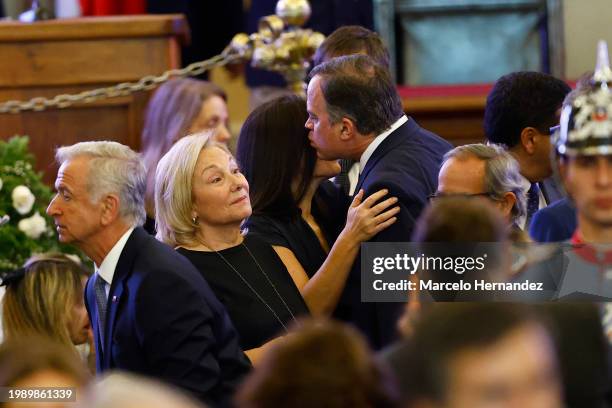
195, 220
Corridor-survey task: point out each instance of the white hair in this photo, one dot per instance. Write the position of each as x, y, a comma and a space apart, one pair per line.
502, 173
113, 168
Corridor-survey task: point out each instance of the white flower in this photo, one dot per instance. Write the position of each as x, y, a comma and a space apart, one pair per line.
23, 199
33, 226
0, 184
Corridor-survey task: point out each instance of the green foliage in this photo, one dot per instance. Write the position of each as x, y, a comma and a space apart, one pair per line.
17, 169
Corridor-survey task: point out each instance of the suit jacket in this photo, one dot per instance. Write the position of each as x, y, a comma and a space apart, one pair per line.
555, 223
164, 321
407, 163
551, 190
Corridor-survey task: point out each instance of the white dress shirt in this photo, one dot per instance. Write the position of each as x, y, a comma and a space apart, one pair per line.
106, 270
357, 168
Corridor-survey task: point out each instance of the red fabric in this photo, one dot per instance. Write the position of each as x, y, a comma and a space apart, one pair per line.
588, 253
421, 91
444, 90
112, 7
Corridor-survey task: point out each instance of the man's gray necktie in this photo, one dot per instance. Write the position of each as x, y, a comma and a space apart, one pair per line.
101, 299
342, 179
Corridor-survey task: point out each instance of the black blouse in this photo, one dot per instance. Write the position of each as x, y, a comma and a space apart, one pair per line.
254, 321
291, 231
149, 226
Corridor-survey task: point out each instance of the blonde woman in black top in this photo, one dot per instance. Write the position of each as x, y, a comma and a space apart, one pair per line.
201, 200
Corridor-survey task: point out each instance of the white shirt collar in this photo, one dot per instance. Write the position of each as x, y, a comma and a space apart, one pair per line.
107, 269
365, 156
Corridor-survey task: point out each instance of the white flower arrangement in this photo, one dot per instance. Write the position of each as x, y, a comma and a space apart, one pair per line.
33, 226
23, 199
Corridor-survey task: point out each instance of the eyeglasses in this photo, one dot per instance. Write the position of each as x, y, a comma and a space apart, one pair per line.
554, 129
439, 194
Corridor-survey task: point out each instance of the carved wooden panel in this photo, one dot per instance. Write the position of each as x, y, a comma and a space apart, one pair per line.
70, 56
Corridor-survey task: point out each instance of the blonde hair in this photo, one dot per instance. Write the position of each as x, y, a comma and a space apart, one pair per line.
321, 363
173, 189
41, 302
23, 357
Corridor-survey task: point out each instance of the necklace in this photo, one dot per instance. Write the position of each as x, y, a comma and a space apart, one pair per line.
253, 289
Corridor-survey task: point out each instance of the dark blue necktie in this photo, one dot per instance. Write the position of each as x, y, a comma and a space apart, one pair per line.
533, 202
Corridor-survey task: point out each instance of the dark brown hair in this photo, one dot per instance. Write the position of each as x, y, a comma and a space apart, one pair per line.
348, 40
273, 152
321, 364
519, 100
358, 88
40, 302
460, 219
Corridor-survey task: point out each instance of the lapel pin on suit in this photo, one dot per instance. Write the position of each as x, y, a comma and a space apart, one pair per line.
115, 298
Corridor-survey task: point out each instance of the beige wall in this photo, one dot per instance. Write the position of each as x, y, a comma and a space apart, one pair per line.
585, 22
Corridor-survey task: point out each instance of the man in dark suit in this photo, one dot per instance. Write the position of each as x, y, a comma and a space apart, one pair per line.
520, 110
152, 313
349, 40
555, 223
356, 113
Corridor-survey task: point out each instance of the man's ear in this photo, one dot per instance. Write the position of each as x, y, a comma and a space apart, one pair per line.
110, 209
348, 129
507, 203
529, 137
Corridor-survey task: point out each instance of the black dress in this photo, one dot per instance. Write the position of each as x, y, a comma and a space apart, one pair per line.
288, 229
254, 321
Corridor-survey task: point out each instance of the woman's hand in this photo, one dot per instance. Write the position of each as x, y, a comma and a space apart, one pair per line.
366, 218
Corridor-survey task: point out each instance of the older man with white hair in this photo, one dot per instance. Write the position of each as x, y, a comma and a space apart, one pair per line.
487, 171
152, 313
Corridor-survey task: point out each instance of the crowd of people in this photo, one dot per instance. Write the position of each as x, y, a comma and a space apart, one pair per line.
244, 287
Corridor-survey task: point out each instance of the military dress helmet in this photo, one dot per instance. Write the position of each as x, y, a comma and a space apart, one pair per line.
586, 122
